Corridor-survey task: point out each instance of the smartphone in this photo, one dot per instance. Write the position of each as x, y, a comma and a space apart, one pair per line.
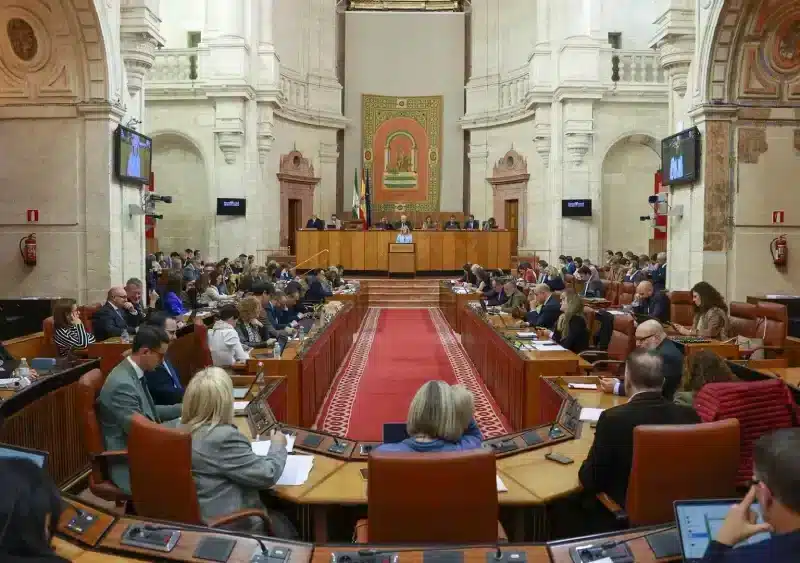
365, 449
558, 458
364, 473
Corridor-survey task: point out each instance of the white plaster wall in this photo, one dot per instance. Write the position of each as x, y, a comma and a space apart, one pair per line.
633, 18
414, 54
178, 18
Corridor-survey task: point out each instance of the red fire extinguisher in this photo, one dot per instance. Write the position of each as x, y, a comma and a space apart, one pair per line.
779, 250
27, 248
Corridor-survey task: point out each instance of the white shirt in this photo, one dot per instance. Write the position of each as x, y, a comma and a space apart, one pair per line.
136, 368
226, 348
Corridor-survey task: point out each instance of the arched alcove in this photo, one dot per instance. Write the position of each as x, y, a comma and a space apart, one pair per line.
628, 176
180, 171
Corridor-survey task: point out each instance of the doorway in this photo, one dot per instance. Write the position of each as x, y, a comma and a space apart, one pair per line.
512, 223
295, 221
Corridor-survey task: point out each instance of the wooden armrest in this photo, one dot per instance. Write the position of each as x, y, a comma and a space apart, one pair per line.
600, 354
110, 454
239, 515
616, 510
607, 362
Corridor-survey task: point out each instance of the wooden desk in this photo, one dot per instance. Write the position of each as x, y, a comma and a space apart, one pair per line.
789, 375
559, 550
402, 258
512, 376
533, 553
436, 251
452, 304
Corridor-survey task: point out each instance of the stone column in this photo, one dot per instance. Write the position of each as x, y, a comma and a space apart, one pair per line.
480, 195
224, 59
538, 213
268, 63
224, 21
325, 194
268, 183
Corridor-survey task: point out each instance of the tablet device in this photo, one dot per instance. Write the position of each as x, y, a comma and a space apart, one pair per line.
36, 456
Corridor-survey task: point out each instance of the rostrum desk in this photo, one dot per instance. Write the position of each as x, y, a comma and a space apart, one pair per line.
436, 251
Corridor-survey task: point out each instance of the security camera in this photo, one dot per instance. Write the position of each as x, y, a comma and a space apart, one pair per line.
644, 217
652, 200
161, 198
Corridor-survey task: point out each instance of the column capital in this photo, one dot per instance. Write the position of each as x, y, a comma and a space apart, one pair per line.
140, 35
675, 41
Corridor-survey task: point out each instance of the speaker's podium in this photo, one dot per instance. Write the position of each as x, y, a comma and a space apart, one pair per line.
402, 258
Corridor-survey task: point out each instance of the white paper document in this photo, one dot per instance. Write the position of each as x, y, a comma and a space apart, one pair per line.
239, 406
262, 447
539, 347
9, 381
501, 487
297, 470
589, 414
526, 335
583, 386
240, 392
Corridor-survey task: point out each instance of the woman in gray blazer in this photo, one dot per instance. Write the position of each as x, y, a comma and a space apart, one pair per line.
227, 474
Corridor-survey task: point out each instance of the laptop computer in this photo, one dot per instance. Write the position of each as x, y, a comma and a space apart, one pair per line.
698, 522
38, 457
394, 432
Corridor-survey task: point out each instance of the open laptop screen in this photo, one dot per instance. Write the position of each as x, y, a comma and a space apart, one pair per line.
699, 522
36, 456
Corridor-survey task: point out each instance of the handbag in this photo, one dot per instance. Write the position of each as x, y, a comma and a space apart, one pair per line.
753, 348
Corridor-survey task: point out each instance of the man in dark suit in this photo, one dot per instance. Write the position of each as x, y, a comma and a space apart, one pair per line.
776, 482
404, 222
472, 223
163, 382
650, 336
452, 223
659, 274
650, 303
134, 288
547, 308
264, 292
608, 465
315, 223
112, 318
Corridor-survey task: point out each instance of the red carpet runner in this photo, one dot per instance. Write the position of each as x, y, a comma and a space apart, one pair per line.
396, 352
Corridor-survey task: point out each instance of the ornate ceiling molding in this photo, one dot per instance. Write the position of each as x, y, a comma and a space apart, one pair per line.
407, 5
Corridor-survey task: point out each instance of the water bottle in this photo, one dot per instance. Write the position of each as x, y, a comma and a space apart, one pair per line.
23, 372
276, 351
302, 332
125, 337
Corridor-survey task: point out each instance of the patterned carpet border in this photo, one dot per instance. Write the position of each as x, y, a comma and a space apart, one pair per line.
334, 416
486, 416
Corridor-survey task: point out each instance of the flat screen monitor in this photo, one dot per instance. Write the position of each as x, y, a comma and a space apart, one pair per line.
133, 155
236, 207
576, 207
15, 452
680, 157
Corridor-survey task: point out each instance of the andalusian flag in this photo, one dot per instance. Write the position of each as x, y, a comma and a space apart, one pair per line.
356, 197
363, 210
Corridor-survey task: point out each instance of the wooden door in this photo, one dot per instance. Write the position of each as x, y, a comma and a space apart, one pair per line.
512, 222
295, 220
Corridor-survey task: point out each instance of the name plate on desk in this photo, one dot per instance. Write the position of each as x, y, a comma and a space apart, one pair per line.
399, 247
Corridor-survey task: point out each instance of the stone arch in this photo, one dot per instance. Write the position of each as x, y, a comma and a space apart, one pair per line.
750, 57
182, 171
627, 174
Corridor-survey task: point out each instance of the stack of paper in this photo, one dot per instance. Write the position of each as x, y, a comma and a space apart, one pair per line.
526, 334
296, 470
262, 447
589, 414
501, 487
592, 386
239, 406
540, 347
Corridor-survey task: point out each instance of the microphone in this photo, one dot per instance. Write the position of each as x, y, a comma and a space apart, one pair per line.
506, 556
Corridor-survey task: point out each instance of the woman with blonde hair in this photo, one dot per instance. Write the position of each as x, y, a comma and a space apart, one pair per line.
571, 331
433, 424
464, 403
227, 474
552, 277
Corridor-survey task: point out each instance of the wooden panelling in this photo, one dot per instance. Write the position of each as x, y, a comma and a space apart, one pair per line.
436, 250
29, 346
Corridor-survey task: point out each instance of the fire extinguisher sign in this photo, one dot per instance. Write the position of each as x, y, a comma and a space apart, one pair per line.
33, 215
777, 217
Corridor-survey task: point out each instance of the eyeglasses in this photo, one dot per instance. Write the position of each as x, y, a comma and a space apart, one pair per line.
641, 339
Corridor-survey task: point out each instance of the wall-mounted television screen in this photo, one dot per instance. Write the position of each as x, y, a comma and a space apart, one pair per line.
680, 157
133, 155
576, 207
236, 207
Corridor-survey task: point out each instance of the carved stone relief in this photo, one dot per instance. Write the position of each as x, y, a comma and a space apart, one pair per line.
22, 38
509, 181
717, 179
752, 144
297, 182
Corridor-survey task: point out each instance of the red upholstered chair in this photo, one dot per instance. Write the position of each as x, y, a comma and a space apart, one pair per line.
681, 307
87, 312
702, 461
446, 497
773, 325
609, 362
626, 293
759, 406
49, 349
611, 291
165, 490
744, 319
100, 484
201, 339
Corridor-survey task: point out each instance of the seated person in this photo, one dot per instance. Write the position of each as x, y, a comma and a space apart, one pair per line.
593, 285
110, 321
335, 222
647, 302
164, 382
468, 276
571, 331
404, 236
172, 303
295, 310
384, 224
526, 273
315, 222
472, 223
490, 224
515, 298
452, 224
482, 277
123, 395
553, 278
249, 328
634, 275
776, 482
704, 367
432, 423
318, 288
428, 224
276, 311
404, 222
223, 340
545, 308
495, 295
208, 294
464, 403
227, 474
650, 336
30, 508
608, 465
710, 314
69, 333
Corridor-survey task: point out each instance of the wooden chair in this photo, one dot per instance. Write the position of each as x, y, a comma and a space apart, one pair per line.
161, 477
49, 347
681, 307
100, 484
702, 463
421, 498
